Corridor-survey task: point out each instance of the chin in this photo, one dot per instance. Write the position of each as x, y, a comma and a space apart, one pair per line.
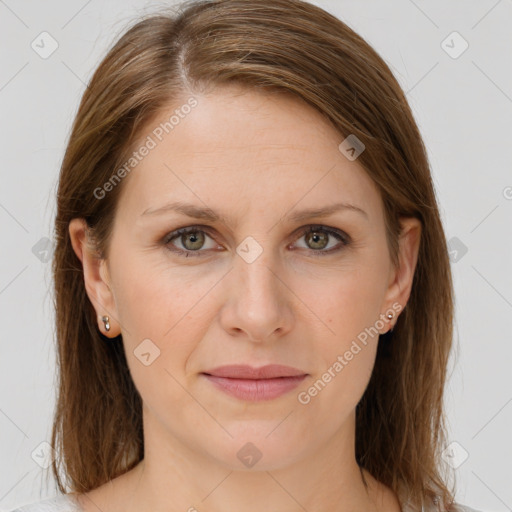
253, 449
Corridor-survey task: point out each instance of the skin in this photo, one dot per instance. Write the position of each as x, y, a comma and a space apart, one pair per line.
255, 159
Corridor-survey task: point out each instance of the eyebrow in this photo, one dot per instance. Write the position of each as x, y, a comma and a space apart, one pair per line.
205, 213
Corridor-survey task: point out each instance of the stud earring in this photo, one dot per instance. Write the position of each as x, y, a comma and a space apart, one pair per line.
390, 316
106, 322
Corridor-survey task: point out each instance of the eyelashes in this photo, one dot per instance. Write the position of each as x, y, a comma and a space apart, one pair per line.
316, 234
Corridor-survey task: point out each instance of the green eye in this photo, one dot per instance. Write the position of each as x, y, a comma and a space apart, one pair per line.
191, 238
317, 238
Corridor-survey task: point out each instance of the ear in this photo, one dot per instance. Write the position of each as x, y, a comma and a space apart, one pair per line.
96, 277
401, 278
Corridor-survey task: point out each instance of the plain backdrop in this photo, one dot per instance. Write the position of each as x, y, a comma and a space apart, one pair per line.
453, 58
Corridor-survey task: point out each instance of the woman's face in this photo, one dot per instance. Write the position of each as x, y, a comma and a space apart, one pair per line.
252, 287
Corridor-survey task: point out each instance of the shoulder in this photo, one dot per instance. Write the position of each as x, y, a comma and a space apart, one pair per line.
59, 503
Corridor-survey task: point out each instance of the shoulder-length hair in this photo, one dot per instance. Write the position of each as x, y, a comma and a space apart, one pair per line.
280, 46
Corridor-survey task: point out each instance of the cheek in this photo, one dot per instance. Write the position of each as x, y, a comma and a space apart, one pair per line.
164, 312
154, 296
348, 308
347, 302
155, 308
346, 352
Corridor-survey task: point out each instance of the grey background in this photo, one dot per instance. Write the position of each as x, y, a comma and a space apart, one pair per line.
463, 106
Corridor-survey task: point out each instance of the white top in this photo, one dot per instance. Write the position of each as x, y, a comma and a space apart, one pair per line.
59, 503
67, 503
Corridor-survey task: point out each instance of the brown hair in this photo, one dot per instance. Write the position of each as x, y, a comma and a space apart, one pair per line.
285, 46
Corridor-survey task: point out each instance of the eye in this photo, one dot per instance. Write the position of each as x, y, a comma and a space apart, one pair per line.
317, 238
191, 239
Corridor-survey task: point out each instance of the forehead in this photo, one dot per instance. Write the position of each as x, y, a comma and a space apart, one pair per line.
245, 148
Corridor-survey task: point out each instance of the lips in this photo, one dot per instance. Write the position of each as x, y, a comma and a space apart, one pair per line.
270, 371
254, 384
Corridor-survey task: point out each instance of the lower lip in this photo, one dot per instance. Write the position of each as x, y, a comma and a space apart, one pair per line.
256, 389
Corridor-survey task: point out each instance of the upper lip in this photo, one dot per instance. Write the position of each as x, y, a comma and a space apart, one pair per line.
241, 371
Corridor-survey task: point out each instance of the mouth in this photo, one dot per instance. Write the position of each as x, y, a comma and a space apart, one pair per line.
255, 384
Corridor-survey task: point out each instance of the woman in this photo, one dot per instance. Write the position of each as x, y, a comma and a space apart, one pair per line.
253, 291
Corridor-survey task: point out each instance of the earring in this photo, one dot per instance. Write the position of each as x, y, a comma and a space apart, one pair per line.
106, 322
390, 316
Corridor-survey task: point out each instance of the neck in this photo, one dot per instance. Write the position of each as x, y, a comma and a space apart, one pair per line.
174, 477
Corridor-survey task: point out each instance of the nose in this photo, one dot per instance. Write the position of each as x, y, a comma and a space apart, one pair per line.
258, 304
